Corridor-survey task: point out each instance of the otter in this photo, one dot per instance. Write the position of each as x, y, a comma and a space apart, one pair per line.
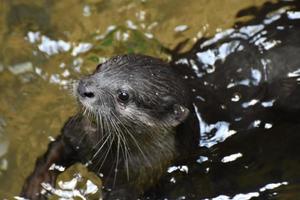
136, 120
140, 114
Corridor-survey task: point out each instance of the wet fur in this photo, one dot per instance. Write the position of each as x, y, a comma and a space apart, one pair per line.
132, 144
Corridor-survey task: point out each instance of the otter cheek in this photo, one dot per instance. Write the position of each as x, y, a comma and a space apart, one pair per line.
178, 115
136, 115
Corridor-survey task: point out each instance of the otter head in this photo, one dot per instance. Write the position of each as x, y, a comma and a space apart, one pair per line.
134, 92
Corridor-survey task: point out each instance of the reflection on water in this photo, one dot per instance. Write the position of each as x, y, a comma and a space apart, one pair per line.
247, 106
250, 153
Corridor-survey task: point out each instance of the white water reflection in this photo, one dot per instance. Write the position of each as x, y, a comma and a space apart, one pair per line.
81, 48
237, 197
210, 56
256, 76
267, 104
221, 128
181, 28
293, 14
182, 168
217, 37
33, 37
272, 186
268, 125
295, 73
52, 47
252, 102
250, 195
231, 158
87, 11
202, 159
252, 29
245, 82
68, 185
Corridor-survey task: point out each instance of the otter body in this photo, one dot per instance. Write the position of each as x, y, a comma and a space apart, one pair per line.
133, 125
140, 114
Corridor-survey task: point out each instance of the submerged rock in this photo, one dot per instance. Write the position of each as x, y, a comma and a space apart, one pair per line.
21, 68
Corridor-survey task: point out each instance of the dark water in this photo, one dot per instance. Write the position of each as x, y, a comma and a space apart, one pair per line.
253, 153
247, 98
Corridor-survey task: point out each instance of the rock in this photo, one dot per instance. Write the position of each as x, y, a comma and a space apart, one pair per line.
21, 68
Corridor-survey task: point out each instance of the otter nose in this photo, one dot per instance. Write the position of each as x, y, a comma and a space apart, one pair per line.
84, 89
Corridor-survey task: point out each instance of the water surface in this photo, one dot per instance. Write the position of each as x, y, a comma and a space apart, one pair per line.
47, 44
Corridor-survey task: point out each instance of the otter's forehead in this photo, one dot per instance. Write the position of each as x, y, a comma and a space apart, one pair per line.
132, 60
143, 77
134, 68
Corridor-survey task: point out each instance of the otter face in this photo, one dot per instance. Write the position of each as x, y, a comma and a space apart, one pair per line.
134, 90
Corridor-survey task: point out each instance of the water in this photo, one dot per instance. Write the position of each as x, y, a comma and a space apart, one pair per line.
47, 44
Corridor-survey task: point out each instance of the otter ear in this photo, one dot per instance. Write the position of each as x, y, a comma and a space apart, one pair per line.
178, 114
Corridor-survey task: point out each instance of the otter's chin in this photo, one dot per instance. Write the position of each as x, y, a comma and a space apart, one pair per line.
87, 109
85, 104
88, 113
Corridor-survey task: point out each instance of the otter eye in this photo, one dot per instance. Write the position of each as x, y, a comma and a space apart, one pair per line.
123, 96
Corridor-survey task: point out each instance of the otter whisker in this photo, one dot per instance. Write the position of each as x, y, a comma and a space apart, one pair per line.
100, 148
85, 110
124, 147
104, 138
109, 137
117, 160
101, 125
126, 152
106, 154
136, 144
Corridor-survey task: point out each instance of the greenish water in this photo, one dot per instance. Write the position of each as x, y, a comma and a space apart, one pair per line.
47, 44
